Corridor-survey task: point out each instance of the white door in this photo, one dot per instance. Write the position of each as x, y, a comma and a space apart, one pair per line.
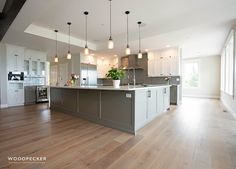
160, 101
63, 74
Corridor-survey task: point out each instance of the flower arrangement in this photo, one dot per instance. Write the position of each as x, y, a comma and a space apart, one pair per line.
73, 79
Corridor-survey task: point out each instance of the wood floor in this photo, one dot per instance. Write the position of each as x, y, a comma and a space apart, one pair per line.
196, 135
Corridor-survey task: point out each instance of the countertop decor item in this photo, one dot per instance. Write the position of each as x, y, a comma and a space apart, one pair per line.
74, 80
115, 74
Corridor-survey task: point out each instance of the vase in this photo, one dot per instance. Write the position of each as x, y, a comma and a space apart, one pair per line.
116, 83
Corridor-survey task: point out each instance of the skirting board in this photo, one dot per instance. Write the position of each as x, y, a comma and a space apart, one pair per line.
2, 106
228, 108
203, 96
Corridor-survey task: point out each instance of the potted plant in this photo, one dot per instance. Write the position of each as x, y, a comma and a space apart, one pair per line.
115, 74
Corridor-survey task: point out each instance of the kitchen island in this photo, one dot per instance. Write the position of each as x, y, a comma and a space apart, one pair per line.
127, 108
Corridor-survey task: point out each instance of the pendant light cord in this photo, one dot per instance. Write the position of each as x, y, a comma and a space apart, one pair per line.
110, 18
127, 30
139, 23
69, 37
56, 42
86, 29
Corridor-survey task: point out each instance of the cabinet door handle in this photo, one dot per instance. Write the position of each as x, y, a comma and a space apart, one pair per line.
164, 90
149, 93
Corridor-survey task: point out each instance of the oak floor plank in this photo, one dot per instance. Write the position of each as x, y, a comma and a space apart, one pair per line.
198, 134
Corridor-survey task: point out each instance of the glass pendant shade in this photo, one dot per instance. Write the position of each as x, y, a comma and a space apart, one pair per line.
56, 59
127, 50
68, 55
110, 43
140, 55
86, 50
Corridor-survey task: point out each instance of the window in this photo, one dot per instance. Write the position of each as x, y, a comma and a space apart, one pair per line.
227, 66
191, 74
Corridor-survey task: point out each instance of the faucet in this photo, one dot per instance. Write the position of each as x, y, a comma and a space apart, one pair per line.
134, 80
128, 77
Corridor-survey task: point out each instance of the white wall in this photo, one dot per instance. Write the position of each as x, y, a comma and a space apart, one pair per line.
209, 74
73, 67
230, 101
3, 76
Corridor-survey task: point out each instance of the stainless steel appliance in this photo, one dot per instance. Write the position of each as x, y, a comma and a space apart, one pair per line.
88, 74
41, 94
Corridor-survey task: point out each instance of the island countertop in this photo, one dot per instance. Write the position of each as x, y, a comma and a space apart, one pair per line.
121, 88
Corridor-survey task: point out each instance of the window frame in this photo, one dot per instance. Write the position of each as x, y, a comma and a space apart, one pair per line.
187, 61
228, 66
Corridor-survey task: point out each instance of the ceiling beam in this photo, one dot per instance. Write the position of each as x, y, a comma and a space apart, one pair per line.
8, 14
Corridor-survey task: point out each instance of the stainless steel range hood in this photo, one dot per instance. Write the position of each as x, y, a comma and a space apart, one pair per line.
130, 62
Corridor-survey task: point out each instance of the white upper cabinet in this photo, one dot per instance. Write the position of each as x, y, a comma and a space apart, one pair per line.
34, 63
15, 56
164, 62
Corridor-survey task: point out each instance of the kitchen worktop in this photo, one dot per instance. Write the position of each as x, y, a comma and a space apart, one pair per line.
121, 88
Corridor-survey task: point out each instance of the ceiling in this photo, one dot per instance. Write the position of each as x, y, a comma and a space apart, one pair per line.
199, 27
2, 3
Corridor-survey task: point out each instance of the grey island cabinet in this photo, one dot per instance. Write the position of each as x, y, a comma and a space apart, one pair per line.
125, 108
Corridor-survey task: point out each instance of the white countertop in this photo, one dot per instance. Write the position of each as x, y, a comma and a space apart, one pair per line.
121, 88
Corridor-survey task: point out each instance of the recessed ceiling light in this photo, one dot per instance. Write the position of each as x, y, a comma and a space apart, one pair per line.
146, 50
115, 55
167, 46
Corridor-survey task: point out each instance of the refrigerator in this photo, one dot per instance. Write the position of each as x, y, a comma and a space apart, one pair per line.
88, 74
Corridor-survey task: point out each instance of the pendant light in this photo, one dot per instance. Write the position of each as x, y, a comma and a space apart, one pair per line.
140, 56
86, 50
127, 50
56, 57
69, 54
110, 41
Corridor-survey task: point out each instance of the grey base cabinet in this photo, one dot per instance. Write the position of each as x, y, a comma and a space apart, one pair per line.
124, 110
30, 95
88, 104
117, 109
